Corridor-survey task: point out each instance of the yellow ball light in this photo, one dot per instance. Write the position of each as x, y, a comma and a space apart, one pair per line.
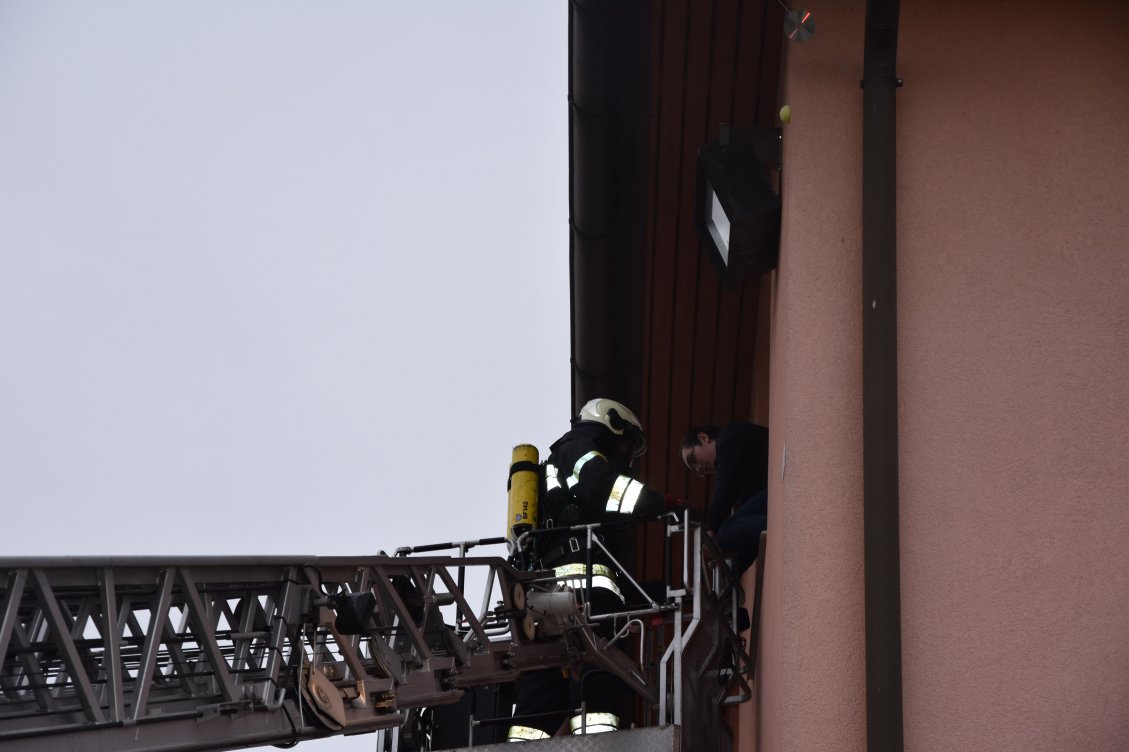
786, 113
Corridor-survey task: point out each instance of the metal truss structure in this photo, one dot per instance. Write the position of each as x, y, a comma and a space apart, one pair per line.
212, 653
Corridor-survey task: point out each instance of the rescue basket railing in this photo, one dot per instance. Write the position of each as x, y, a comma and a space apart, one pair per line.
700, 604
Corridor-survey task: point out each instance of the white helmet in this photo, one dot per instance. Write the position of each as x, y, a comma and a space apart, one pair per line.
617, 419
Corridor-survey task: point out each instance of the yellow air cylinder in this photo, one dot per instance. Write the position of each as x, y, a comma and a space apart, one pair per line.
524, 474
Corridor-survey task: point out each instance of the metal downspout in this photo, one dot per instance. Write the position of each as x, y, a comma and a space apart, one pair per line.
884, 722
609, 75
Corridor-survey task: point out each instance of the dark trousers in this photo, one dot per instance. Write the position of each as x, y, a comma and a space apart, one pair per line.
741, 533
551, 692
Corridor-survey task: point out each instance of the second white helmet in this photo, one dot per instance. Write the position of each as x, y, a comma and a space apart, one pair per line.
616, 418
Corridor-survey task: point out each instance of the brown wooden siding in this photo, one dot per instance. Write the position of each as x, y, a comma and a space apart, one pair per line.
711, 63
650, 82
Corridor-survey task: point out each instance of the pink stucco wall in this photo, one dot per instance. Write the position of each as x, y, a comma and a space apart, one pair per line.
1013, 232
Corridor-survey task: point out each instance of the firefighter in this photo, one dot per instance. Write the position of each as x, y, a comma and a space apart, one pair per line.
587, 480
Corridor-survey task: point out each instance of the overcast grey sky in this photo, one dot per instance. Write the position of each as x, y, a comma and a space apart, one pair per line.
277, 277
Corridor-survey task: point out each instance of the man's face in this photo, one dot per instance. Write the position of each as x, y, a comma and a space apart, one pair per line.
623, 454
701, 459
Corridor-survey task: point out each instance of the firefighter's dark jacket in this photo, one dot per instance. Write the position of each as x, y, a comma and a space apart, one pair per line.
586, 499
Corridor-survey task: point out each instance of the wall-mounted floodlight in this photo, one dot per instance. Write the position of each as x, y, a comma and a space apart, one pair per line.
737, 211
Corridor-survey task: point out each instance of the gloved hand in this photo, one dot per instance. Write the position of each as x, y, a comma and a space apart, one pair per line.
674, 504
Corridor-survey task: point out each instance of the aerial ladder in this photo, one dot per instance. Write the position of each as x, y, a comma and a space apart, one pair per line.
153, 654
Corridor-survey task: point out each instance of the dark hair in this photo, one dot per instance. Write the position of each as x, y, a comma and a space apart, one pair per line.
690, 438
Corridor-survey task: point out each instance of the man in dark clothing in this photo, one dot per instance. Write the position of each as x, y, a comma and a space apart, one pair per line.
586, 481
738, 456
